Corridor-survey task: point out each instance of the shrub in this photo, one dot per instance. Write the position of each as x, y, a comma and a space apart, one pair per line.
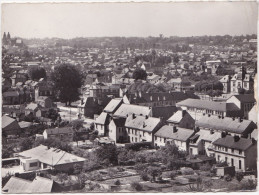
250, 184
117, 182
239, 176
172, 174
187, 171
227, 178
136, 186
205, 167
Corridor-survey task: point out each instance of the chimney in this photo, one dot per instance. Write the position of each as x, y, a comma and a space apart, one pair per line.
144, 124
211, 131
253, 141
146, 116
233, 118
133, 116
219, 117
174, 129
223, 134
203, 114
208, 115
222, 117
183, 113
236, 138
82, 101
240, 119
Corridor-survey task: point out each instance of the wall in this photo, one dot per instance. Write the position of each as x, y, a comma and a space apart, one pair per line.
251, 157
25, 164
113, 131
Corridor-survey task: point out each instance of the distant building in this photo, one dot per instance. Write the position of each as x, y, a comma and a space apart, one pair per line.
62, 134
101, 124
181, 119
117, 130
10, 126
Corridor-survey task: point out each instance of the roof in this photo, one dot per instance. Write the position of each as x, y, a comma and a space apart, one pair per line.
181, 134
177, 117
128, 109
163, 112
142, 122
206, 104
10, 93
32, 106
206, 136
51, 156
19, 185
24, 124
224, 124
119, 122
245, 98
102, 118
113, 104
6, 120
60, 130
229, 141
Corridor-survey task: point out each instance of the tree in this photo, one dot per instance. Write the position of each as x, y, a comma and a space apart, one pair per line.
26, 143
140, 74
67, 81
107, 154
36, 73
154, 172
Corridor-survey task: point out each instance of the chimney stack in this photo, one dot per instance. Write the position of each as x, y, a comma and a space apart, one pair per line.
146, 117
183, 113
223, 134
236, 138
133, 116
174, 129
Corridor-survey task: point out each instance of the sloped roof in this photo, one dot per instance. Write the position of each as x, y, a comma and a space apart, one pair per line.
245, 98
228, 141
225, 124
24, 124
31, 106
206, 104
128, 109
177, 117
11, 93
6, 120
181, 134
51, 156
142, 123
119, 122
19, 185
206, 136
101, 119
113, 104
60, 130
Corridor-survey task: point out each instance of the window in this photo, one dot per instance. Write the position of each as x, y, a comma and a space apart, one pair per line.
218, 158
34, 164
136, 140
226, 159
233, 150
164, 140
240, 151
155, 137
143, 133
132, 139
135, 132
226, 149
240, 164
232, 162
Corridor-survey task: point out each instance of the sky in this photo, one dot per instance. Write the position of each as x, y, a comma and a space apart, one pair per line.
69, 20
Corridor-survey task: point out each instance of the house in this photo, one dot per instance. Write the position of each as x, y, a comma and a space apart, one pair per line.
43, 88
226, 83
45, 102
62, 134
181, 119
10, 126
113, 105
201, 142
17, 77
11, 97
180, 84
128, 109
100, 90
101, 124
236, 151
31, 108
244, 102
117, 130
173, 135
141, 128
241, 80
196, 108
229, 125
16, 185
43, 157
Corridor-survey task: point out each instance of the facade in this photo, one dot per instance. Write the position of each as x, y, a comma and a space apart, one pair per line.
117, 130
244, 102
226, 83
101, 90
102, 124
236, 151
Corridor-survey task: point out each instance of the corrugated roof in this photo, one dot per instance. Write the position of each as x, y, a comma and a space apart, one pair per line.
142, 122
50, 156
128, 109
229, 141
224, 124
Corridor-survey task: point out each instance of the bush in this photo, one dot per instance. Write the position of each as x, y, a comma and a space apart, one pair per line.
117, 182
172, 174
187, 171
239, 176
136, 186
205, 167
227, 178
250, 184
